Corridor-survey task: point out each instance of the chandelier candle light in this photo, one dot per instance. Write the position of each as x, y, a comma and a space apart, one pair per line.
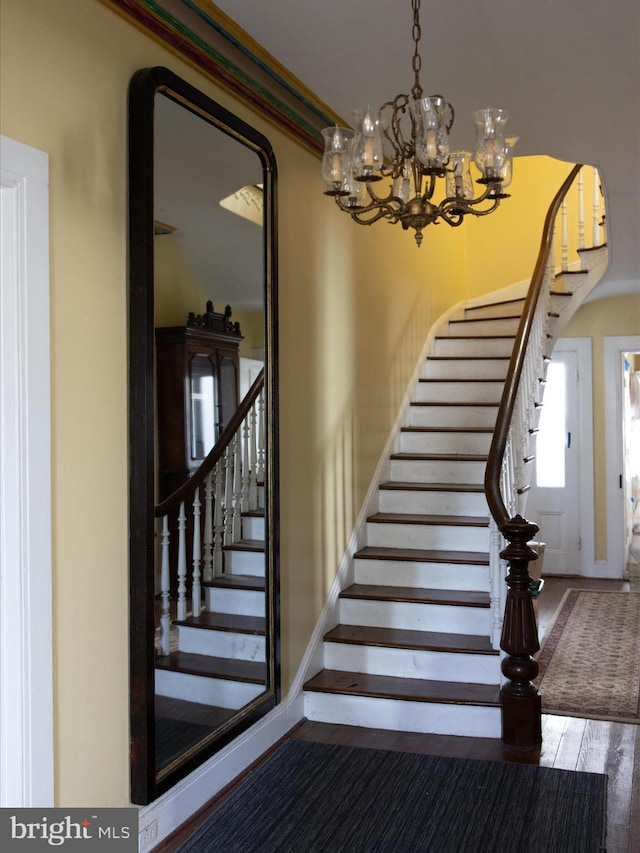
407, 143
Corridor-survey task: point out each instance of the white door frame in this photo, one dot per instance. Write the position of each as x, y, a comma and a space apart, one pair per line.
26, 682
614, 346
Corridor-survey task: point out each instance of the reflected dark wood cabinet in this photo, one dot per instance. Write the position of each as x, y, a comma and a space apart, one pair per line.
198, 375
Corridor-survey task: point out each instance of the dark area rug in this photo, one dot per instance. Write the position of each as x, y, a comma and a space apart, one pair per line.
322, 798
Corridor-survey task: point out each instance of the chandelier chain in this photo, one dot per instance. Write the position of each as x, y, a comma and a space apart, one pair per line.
416, 33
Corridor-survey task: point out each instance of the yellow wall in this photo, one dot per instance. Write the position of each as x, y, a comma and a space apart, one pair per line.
177, 290
355, 305
596, 320
499, 248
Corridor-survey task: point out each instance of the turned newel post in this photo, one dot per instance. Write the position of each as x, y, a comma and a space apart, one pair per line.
521, 703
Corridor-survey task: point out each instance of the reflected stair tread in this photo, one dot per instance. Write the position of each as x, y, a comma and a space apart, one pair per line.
400, 638
417, 595
213, 621
253, 513
423, 555
255, 545
448, 429
477, 337
414, 518
412, 689
441, 457
248, 671
400, 486
190, 712
237, 582
561, 293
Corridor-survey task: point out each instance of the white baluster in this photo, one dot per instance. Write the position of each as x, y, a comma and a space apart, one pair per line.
253, 475
236, 522
197, 556
496, 582
261, 447
165, 584
581, 243
218, 521
228, 496
246, 466
207, 566
565, 236
596, 208
182, 564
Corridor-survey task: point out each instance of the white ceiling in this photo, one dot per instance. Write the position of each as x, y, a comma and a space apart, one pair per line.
568, 71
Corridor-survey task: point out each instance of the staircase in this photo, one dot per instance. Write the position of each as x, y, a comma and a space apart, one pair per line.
413, 649
417, 644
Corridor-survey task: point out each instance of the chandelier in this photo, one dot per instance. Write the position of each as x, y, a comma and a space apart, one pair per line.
407, 143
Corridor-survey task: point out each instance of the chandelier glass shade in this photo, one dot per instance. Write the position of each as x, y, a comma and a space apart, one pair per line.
405, 145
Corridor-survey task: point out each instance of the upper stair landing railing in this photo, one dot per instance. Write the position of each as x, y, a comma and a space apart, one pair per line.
511, 454
209, 508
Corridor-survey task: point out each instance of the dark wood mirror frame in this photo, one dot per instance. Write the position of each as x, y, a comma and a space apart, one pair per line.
146, 783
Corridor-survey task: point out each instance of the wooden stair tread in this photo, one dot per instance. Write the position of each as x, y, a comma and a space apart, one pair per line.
417, 595
455, 403
476, 337
255, 545
468, 358
414, 518
399, 485
423, 555
248, 671
398, 638
483, 319
441, 457
560, 293
448, 429
212, 621
469, 379
253, 513
494, 304
412, 689
237, 582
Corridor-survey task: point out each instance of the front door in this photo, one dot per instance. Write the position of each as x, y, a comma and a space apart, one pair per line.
554, 499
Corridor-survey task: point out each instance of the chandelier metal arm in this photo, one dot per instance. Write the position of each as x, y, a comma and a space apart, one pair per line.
407, 143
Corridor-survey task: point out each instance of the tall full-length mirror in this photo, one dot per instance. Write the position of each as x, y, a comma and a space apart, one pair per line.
203, 429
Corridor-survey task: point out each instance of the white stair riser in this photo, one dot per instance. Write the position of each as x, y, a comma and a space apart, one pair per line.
412, 663
430, 536
221, 644
449, 618
418, 574
472, 347
253, 527
466, 368
243, 602
432, 503
444, 442
208, 691
450, 416
458, 392
402, 715
501, 309
485, 328
437, 471
244, 563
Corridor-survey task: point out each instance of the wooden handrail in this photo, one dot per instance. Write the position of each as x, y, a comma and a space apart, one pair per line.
188, 488
492, 478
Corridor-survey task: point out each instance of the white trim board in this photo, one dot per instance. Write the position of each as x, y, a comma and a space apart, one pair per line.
26, 680
614, 346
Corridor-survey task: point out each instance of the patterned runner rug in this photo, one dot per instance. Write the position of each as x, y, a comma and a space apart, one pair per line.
590, 661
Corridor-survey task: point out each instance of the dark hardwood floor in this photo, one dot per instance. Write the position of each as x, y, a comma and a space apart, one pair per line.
569, 743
